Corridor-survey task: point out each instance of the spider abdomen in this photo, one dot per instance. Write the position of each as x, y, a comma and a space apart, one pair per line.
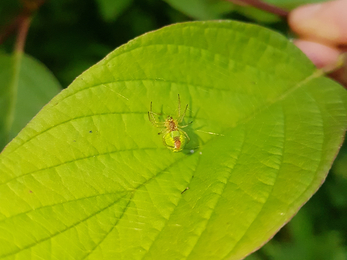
175, 140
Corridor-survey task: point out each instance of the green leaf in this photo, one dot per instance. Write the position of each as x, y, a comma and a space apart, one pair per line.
7, 96
36, 86
27, 86
89, 177
111, 9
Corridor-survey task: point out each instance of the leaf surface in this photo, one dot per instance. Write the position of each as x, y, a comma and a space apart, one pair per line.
89, 177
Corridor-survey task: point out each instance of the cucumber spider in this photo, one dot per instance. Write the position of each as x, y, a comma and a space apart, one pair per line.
174, 137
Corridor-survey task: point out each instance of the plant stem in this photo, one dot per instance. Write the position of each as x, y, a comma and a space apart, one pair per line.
22, 34
23, 28
9, 29
262, 6
338, 71
29, 8
12, 88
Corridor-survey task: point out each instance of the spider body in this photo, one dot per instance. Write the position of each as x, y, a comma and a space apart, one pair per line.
174, 137
175, 140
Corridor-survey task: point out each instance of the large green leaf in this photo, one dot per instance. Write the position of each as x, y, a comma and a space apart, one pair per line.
27, 85
89, 177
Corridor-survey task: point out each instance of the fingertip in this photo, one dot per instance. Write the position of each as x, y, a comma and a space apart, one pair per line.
321, 55
301, 15
324, 22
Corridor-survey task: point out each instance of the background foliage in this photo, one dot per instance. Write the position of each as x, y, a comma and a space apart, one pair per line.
70, 36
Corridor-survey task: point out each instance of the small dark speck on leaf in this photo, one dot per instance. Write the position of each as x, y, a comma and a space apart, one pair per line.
185, 190
90, 131
30, 191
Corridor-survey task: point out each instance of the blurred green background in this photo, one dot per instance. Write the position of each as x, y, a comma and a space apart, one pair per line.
69, 36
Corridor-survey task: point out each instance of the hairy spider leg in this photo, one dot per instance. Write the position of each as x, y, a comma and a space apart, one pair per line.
183, 126
188, 139
180, 118
164, 131
154, 122
179, 107
152, 118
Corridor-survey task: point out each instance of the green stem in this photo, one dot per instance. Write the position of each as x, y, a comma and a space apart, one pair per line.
11, 95
341, 61
22, 34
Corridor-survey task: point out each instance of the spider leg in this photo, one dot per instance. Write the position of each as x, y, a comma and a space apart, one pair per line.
153, 121
150, 109
152, 118
159, 124
163, 131
188, 139
150, 115
179, 106
183, 126
180, 119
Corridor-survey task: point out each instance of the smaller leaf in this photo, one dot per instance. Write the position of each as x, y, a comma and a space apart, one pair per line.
6, 96
111, 9
36, 87
27, 83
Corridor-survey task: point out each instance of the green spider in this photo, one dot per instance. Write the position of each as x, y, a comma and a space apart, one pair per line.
174, 137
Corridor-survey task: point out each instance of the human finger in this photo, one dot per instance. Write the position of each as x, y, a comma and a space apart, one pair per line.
320, 54
323, 22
